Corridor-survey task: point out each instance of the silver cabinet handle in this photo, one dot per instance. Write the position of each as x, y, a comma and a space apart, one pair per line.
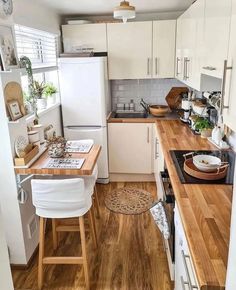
183, 283
184, 74
186, 62
210, 68
156, 148
226, 68
148, 137
190, 285
177, 66
156, 66
148, 66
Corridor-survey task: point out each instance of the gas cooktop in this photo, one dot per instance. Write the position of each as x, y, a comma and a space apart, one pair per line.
225, 156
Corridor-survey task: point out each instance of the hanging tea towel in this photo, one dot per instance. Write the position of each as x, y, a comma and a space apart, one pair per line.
159, 216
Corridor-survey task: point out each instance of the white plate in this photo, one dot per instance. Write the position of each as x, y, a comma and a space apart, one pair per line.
206, 163
20, 143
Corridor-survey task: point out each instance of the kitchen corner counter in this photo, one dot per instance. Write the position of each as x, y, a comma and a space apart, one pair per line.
205, 209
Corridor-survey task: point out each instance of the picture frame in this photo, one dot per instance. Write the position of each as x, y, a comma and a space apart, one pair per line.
8, 48
14, 110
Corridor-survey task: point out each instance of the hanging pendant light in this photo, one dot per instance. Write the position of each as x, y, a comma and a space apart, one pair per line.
124, 11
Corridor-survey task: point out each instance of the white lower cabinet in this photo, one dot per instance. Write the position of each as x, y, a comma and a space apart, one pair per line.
130, 148
185, 277
158, 161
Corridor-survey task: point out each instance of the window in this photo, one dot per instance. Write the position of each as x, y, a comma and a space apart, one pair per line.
39, 46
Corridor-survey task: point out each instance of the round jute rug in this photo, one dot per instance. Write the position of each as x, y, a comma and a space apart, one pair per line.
129, 200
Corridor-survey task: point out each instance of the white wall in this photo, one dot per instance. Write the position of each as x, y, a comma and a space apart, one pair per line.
33, 14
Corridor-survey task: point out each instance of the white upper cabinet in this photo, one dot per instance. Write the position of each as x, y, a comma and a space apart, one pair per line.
230, 76
216, 36
141, 50
130, 50
85, 35
164, 48
189, 43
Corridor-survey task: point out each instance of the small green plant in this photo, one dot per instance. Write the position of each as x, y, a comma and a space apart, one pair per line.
49, 90
38, 89
202, 123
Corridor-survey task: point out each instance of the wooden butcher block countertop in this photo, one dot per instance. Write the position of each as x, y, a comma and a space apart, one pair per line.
205, 209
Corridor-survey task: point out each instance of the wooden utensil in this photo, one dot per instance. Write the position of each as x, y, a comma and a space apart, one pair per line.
192, 170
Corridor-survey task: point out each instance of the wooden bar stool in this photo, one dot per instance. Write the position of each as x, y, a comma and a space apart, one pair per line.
61, 199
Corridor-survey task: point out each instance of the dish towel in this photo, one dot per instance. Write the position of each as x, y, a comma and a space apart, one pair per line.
159, 215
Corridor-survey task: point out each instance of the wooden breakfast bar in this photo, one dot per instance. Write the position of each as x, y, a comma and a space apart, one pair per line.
38, 167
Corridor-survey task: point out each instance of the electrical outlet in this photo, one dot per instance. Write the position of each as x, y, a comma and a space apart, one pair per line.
32, 226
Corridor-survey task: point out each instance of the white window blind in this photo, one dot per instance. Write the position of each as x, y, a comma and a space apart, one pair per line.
39, 46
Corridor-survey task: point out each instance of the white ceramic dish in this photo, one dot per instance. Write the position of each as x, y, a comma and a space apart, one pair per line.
206, 163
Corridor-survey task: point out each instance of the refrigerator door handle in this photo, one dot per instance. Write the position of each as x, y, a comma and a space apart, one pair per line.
84, 128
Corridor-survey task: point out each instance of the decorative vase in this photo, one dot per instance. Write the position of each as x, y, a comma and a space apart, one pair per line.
41, 104
51, 100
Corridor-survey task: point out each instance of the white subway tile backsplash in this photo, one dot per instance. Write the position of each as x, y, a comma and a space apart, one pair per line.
153, 91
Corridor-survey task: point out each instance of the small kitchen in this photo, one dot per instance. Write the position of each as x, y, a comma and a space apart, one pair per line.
118, 148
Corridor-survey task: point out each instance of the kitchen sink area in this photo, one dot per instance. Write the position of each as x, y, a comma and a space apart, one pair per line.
130, 115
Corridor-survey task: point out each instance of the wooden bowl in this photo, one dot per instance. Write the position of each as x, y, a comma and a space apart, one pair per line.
159, 110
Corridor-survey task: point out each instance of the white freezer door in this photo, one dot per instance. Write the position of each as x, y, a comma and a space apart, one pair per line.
99, 135
83, 87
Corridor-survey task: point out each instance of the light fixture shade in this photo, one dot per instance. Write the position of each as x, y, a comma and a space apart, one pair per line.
124, 11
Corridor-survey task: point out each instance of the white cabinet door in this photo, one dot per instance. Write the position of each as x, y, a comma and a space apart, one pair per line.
184, 270
130, 148
189, 43
164, 48
179, 52
85, 35
230, 92
130, 50
216, 36
158, 161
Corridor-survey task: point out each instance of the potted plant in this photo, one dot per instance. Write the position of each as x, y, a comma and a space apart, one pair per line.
38, 89
204, 127
50, 93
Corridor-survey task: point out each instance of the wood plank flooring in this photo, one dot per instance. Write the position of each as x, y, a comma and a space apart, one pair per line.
130, 254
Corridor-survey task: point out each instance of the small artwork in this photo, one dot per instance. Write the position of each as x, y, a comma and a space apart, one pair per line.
14, 110
7, 48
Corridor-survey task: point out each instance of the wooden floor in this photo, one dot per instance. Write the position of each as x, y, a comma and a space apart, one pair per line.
130, 255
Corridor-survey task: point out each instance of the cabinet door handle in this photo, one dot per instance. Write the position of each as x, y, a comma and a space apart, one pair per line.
156, 149
186, 61
210, 68
177, 66
156, 66
183, 283
148, 137
226, 68
148, 66
191, 286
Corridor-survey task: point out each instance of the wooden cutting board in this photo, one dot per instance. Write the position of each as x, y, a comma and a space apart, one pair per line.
13, 92
174, 98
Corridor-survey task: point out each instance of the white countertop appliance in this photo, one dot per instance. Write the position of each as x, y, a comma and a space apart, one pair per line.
85, 99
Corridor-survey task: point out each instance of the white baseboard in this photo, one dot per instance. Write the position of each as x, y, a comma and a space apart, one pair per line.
122, 177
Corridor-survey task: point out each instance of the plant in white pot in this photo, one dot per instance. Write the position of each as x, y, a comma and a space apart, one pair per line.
38, 93
50, 93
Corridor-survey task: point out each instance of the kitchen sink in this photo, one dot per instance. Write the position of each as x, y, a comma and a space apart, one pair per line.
131, 115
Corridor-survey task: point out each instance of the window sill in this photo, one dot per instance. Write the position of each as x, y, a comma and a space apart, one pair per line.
43, 112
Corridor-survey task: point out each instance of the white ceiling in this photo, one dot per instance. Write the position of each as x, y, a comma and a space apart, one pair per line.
96, 7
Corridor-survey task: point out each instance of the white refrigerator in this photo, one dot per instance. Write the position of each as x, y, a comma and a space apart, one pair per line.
85, 100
